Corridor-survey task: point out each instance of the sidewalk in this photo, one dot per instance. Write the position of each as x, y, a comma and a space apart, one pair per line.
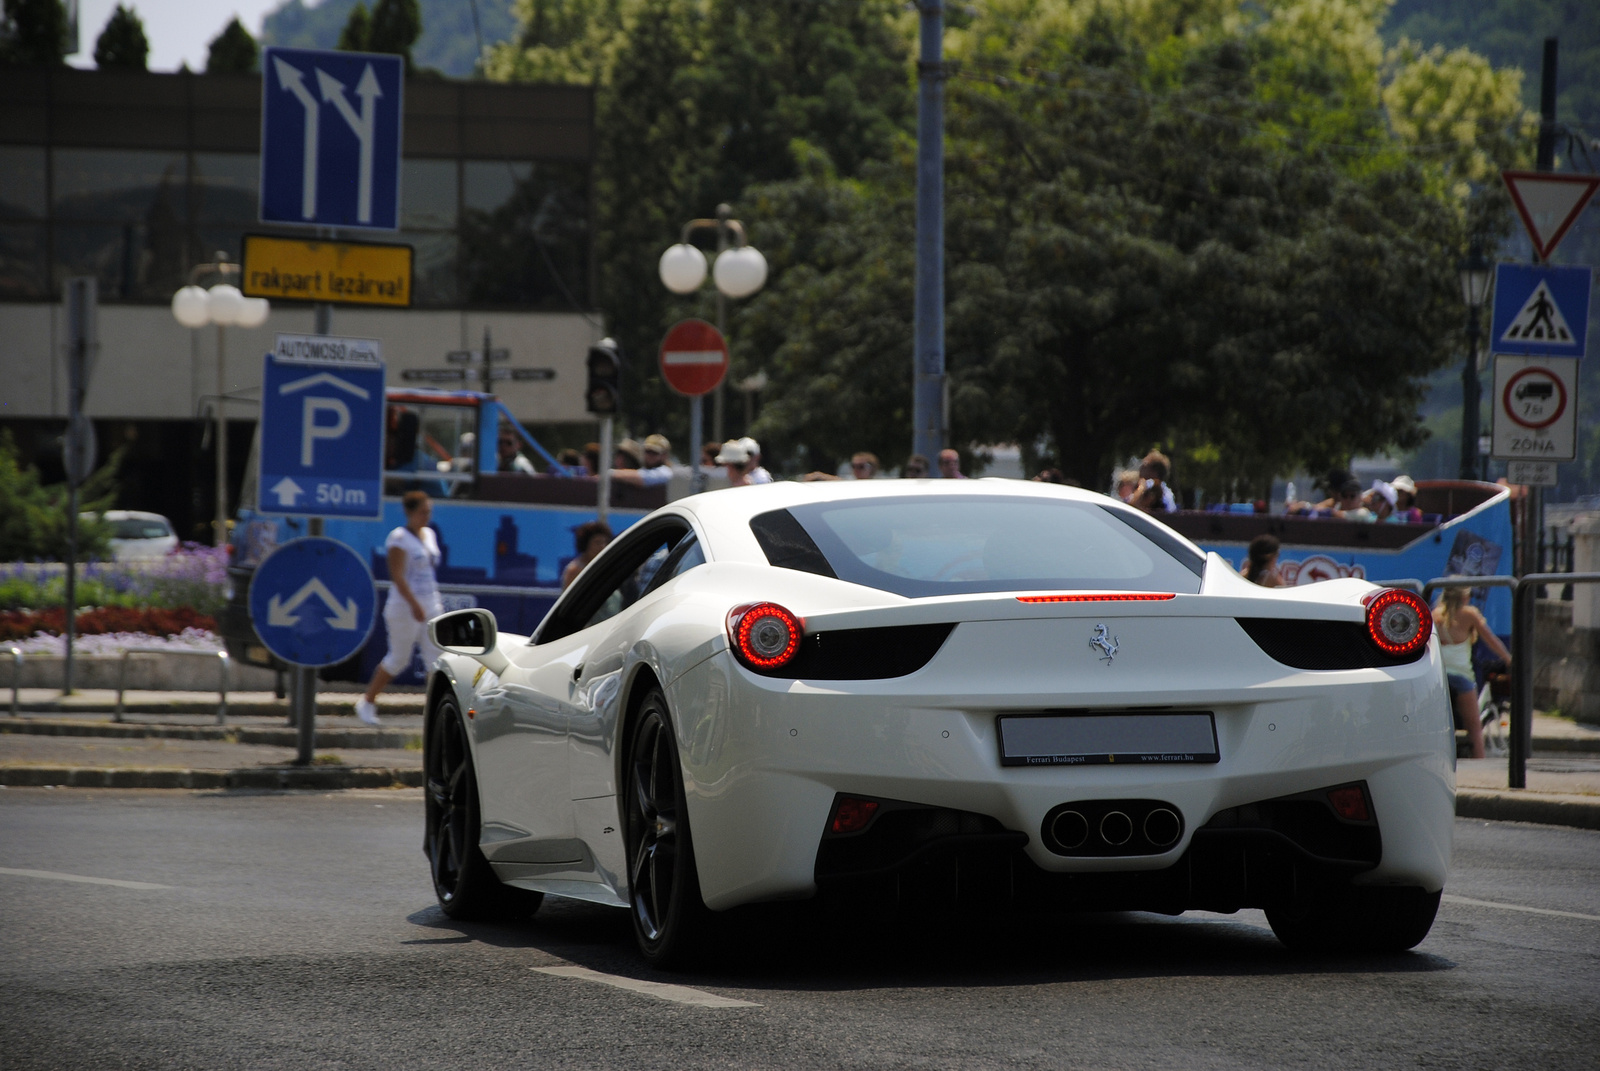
171, 740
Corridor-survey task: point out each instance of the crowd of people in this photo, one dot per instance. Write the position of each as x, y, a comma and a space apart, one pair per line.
1391, 502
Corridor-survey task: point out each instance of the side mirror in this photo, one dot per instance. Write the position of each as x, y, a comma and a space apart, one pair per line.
469, 632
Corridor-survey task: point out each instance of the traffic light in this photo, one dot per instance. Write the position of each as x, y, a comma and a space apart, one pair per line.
604, 395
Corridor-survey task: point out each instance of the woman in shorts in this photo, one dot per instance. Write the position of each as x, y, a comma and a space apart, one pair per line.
1459, 625
413, 553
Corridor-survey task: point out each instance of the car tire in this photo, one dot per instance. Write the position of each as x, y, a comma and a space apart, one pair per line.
463, 880
670, 921
1356, 919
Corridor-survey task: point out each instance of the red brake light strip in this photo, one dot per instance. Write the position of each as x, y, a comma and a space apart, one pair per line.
1110, 596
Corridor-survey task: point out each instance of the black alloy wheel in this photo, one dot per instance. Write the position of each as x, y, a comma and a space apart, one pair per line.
663, 884
463, 880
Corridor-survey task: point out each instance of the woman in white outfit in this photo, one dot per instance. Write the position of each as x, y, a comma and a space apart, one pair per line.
413, 553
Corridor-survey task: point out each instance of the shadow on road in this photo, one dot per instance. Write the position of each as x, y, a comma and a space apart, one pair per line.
811, 947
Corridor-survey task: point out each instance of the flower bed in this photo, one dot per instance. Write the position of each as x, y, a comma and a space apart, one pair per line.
121, 604
113, 643
102, 620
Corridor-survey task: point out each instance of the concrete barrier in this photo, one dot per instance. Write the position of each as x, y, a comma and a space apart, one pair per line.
146, 672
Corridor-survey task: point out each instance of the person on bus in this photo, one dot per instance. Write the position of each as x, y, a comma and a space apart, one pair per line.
413, 557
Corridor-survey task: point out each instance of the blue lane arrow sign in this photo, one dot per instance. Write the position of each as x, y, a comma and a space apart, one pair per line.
325, 161
1540, 311
322, 410
312, 602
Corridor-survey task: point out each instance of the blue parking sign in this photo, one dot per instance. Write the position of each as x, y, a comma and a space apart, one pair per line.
312, 602
330, 138
1540, 310
322, 410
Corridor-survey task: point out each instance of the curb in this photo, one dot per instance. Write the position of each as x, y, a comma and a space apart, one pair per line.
275, 709
324, 778
353, 739
1576, 812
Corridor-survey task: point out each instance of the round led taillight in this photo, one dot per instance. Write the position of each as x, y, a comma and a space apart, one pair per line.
765, 636
1398, 622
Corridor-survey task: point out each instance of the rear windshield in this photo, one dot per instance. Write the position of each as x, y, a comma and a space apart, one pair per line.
135, 529
919, 547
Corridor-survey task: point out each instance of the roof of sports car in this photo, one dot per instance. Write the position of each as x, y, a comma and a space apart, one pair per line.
726, 514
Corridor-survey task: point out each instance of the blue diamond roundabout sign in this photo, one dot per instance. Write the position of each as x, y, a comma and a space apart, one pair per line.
312, 602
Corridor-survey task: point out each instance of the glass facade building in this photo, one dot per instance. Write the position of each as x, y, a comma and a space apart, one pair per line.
134, 178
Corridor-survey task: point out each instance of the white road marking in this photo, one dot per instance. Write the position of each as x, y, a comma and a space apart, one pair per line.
679, 994
51, 875
1449, 899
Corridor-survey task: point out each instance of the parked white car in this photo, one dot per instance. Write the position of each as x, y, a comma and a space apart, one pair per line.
936, 691
136, 535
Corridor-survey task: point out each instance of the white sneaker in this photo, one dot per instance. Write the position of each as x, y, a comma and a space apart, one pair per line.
367, 710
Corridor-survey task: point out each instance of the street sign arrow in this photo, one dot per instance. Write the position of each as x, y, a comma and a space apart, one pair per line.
287, 491
281, 614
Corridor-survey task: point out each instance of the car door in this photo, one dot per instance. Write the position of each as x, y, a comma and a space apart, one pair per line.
528, 812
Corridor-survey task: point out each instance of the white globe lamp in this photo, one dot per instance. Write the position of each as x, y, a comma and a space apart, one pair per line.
227, 305
191, 306
682, 268
740, 272
254, 313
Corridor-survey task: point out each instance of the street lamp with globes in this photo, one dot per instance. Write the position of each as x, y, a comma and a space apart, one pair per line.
1474, 272
222, 304
738, 272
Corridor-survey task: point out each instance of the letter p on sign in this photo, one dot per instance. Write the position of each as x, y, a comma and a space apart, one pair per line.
311, 431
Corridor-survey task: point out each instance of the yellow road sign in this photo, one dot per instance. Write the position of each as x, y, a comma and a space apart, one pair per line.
342, 273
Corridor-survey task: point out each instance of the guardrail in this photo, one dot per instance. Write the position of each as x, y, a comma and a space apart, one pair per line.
222, 684
16, 677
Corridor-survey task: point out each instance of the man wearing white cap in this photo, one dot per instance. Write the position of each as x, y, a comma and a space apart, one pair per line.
753, 470
736, 458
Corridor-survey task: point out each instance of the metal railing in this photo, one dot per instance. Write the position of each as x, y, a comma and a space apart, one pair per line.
222, 684
1523, 604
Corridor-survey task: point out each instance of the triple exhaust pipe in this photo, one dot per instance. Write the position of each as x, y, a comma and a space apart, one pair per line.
1112, 827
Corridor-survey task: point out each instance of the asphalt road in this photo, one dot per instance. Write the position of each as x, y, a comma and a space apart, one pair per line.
298, 931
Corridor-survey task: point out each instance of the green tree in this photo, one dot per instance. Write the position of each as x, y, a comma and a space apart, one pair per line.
1166, 225
122, 43
33, 517
357, 30
34, 31
396, 25
233, 51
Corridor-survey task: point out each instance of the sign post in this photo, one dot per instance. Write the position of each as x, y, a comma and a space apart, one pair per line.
694, 359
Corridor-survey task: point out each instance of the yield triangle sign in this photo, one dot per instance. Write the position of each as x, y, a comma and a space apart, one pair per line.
1549, 204
1539, 321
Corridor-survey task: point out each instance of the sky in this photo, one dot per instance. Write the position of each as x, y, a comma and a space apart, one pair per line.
179, 31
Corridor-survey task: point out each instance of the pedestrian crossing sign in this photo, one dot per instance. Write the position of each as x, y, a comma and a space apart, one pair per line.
1540, 311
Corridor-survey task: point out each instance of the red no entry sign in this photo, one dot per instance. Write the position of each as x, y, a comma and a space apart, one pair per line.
694, 357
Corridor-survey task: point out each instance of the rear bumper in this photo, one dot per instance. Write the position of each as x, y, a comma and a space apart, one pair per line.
764, 760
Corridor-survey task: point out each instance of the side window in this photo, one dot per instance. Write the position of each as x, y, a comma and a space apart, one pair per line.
628, 567
685, 556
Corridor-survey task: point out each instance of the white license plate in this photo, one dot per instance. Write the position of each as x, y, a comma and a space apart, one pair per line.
1094, 739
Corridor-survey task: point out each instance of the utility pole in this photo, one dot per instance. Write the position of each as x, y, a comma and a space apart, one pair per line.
928, 391
1533, 515
82, 295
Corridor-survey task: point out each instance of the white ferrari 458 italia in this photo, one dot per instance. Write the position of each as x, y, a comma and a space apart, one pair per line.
935, 693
